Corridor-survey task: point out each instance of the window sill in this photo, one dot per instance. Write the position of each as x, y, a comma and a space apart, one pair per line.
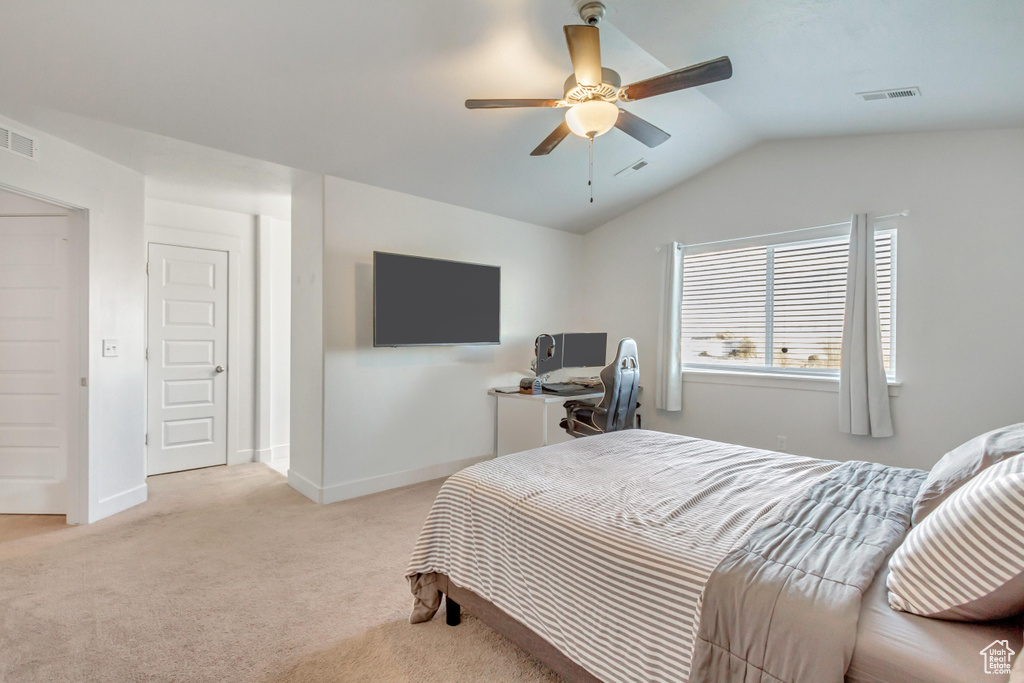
774, 380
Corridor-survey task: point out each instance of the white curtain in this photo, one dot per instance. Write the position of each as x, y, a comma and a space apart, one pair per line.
669, 395
863, 390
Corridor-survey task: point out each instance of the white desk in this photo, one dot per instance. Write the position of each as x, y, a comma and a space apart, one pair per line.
525, 421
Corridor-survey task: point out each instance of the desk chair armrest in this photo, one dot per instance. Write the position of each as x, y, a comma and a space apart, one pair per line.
573, 408
582, 418
573, 405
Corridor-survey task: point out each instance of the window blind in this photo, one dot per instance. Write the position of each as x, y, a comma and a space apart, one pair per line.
777, 307
724, 307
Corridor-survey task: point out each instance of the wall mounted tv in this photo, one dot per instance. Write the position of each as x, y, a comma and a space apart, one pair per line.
431, 302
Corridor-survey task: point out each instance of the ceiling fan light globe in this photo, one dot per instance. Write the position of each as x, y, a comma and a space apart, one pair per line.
592, 118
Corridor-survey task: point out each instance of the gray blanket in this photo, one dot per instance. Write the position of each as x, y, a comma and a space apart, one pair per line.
784, 605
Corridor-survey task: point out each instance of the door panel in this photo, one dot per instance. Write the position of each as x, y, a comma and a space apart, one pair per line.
188, 392
36, 382
188, 334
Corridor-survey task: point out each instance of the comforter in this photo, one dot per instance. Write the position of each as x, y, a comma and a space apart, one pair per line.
784, 605
602, 546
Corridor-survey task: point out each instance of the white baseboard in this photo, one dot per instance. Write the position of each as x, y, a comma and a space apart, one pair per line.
364, 487
305, 486
241, 457
282, 452
384, 482
121, 501
264, 455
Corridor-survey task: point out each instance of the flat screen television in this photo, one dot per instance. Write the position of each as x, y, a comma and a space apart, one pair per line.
432, 302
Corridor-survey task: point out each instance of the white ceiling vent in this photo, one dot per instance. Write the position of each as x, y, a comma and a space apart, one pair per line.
17, 143
632, 168
890, 94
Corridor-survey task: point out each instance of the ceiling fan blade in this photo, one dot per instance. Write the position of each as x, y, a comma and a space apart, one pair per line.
585, 53
551, 141
645, 132
688, 77
504, 104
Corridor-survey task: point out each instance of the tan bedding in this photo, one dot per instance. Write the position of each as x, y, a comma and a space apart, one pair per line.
601, 546
896, 647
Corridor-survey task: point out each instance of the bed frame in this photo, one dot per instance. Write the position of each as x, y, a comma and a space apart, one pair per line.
455, 598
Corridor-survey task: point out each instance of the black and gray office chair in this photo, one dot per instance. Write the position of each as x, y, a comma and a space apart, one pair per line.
617, 409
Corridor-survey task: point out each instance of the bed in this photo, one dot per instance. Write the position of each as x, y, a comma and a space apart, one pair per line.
631, 556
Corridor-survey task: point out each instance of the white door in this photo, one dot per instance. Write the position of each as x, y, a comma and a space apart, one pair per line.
37, 389
188, 358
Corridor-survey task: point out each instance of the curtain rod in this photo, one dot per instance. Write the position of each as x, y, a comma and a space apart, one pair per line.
901, 214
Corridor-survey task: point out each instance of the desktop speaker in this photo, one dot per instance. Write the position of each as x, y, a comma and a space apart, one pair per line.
528, 385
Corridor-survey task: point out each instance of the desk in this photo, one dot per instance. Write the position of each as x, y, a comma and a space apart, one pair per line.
525, 421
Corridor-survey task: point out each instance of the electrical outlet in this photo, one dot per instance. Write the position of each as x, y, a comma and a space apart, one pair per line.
111, 349
780, 444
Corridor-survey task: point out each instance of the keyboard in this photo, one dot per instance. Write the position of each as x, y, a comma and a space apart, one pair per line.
561, 387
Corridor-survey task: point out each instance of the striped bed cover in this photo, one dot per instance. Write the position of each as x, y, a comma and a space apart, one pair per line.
602, 545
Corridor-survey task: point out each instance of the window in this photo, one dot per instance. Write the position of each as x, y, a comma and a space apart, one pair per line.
777, 307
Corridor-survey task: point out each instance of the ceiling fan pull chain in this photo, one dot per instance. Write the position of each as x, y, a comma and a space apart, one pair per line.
590, 179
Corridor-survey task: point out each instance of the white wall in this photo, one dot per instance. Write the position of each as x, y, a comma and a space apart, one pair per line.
281, 338
393, 416
960, 293
113, 196
173, 222
306, 465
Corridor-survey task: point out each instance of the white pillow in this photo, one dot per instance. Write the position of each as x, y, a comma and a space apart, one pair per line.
963, 462
965, 561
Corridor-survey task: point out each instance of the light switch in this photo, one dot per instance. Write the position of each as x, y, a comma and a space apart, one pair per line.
111, 349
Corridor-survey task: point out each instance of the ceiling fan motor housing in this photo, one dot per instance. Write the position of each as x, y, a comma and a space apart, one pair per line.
592, 13
608, 90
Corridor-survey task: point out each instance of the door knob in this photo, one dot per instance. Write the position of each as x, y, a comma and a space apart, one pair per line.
219, 368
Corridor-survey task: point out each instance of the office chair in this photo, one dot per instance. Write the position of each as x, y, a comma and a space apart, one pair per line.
617, 409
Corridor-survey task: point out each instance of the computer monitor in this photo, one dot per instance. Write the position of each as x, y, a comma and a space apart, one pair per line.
584, 350
549, 353
571, 350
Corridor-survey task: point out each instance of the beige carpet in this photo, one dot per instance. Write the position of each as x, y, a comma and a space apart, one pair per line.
227, 574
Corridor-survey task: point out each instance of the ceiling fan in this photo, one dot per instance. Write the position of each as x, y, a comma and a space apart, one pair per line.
592, 91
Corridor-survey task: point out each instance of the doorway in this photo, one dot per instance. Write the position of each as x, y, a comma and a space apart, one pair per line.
40, 355
187, 356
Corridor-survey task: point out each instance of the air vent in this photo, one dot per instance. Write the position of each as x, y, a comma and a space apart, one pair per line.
17, 143
632, 168
23, 145
890, 94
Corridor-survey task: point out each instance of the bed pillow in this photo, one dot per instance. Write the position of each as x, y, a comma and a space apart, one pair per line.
965, 561
958, 466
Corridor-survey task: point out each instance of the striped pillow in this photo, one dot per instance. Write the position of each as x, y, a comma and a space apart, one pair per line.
965, 561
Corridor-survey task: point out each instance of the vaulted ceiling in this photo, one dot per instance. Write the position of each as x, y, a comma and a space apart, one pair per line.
374, 91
